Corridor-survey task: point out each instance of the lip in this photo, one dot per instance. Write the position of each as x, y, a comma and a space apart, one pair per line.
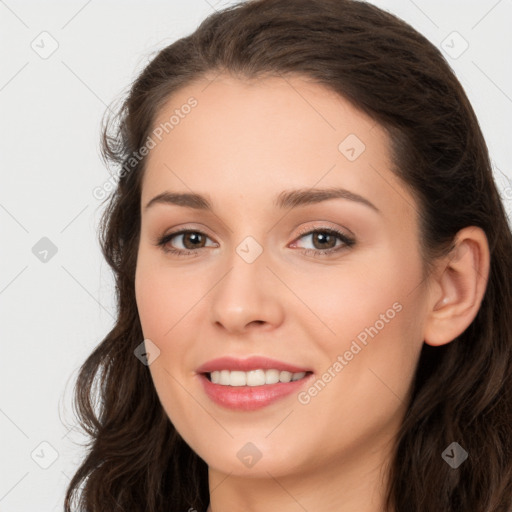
248, 364
250, 398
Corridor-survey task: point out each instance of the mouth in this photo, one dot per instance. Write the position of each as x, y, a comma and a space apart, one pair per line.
249, 391
254, 378
250, 383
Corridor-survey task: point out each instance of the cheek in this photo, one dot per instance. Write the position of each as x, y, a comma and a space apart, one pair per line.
350, 303
150, 306
383, 338
163, 300
163, 296
376, 314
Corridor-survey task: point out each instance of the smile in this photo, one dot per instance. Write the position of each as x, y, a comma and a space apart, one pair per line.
258, 377
242, 396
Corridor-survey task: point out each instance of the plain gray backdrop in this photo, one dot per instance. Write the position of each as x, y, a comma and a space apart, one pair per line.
62, 63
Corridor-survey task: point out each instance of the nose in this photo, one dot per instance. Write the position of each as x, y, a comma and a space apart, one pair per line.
248, 296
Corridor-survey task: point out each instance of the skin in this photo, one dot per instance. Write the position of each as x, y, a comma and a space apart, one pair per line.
243, 144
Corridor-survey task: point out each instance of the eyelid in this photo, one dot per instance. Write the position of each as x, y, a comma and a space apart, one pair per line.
162, 240
183, 228
302, 231
325, 227
348, 240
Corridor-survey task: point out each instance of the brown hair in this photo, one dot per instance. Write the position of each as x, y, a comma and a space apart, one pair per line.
136, 460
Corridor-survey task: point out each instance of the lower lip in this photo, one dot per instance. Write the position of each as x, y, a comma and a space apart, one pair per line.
249, 398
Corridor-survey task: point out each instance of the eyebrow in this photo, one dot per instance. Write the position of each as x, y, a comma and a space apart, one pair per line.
286, 199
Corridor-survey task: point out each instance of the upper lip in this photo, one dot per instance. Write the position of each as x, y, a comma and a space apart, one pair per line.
250, 363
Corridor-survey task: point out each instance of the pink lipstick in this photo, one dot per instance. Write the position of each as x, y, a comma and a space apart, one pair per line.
252, 383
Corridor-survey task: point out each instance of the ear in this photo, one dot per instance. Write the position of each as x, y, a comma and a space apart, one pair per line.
458, 288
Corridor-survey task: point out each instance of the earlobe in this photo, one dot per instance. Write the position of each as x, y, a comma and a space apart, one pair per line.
460, 285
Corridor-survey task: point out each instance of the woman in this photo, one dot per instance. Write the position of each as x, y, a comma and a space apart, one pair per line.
313, 273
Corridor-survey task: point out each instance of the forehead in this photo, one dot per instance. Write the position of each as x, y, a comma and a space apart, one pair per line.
254, 138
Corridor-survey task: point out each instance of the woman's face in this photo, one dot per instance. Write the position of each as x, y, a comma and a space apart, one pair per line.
261, 272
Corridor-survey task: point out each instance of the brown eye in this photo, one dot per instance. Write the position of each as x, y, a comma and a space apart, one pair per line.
324, 241
190, 240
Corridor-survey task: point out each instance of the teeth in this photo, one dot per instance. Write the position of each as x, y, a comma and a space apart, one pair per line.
285, 377
253, 377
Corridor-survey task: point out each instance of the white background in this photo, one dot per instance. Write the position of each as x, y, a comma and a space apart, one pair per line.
53, 313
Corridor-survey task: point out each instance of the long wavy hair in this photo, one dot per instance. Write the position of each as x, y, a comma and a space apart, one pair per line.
135, 459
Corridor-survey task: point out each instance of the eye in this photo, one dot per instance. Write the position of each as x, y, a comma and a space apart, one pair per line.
324, 240
191, 240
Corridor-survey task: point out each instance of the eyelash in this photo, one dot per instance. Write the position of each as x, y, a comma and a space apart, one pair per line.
347, 242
